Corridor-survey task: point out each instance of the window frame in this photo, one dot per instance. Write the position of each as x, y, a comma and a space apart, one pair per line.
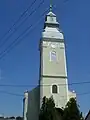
52, 89
55, 59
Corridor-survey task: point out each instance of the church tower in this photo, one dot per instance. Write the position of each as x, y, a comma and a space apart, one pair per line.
53, 70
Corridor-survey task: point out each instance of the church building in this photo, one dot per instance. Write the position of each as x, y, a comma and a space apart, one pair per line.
53, 79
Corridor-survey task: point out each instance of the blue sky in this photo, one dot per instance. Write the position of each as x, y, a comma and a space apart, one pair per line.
21, 64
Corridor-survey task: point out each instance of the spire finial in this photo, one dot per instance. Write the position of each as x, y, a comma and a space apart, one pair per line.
50, 5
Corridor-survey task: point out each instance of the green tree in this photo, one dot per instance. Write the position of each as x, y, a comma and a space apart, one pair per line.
71, 111
19, 118
12, 117
48, 111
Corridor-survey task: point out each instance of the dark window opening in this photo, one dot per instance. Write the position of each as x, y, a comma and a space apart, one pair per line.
54, 89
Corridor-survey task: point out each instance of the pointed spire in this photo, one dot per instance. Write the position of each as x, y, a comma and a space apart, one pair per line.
50, 5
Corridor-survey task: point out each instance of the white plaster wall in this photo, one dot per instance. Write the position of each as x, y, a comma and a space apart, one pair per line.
57, 68
33, 104
58, 74
25, 105
71, 94
46, 90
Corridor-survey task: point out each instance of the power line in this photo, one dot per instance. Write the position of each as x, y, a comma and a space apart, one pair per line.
18, 19
85, 93
16, 94
15, 29
77, 83
22, 95
77, 94
11, 85
16, 41
74, 83
10, 93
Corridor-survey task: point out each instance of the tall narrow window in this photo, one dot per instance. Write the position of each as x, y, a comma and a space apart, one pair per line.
54, 89
53, 56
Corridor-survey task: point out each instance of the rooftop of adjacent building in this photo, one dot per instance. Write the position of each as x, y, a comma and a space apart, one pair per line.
87, 117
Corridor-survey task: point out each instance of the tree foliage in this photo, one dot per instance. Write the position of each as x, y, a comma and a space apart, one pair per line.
71, 111
19, 118
12, 117
47, 111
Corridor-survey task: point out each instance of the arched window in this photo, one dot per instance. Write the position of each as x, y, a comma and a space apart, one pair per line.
54, 89
53, 56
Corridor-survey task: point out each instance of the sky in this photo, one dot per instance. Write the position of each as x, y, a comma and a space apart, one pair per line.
20, 66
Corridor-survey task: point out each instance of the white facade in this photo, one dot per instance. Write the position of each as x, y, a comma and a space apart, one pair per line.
31, 104
53, 80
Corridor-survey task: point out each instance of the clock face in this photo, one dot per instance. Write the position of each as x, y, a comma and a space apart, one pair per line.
53, 45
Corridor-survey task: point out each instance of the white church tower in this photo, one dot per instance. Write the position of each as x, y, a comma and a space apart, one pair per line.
53, 71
